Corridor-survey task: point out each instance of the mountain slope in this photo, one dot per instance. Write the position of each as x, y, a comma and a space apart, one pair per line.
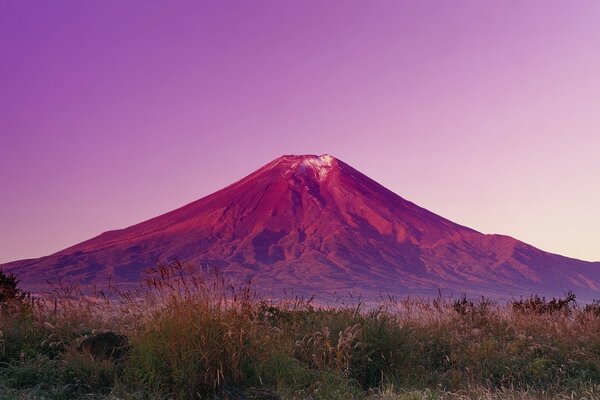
316, 225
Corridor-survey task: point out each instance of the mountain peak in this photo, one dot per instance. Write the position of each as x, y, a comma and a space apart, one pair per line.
323, 159
312, 164
320, 165
315, 224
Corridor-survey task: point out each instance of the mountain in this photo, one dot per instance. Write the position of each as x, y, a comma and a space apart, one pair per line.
315, 225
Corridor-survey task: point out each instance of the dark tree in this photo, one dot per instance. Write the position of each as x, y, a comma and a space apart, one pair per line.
9, 289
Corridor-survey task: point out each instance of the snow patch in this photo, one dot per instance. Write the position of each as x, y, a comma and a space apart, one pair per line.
321, 164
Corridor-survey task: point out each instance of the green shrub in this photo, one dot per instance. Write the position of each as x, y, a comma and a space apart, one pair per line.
9, 290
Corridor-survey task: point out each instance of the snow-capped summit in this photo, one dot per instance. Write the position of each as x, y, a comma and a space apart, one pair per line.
321, 164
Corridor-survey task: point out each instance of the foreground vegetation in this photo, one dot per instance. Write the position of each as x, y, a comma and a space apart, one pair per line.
188, 336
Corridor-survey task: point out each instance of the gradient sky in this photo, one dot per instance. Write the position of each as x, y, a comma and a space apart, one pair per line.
112, 112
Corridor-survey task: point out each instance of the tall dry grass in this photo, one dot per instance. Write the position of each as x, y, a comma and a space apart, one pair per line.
194, 335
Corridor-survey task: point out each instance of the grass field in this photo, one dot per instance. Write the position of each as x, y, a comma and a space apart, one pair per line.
189, 336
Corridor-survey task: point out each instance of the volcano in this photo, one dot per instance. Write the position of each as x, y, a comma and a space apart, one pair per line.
315, 225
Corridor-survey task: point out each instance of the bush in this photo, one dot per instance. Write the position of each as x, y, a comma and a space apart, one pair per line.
9, 290
539, 305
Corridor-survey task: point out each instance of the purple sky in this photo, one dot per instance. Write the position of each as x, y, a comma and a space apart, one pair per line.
112, 112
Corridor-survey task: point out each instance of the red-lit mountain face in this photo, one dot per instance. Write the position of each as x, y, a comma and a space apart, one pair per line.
315, 225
